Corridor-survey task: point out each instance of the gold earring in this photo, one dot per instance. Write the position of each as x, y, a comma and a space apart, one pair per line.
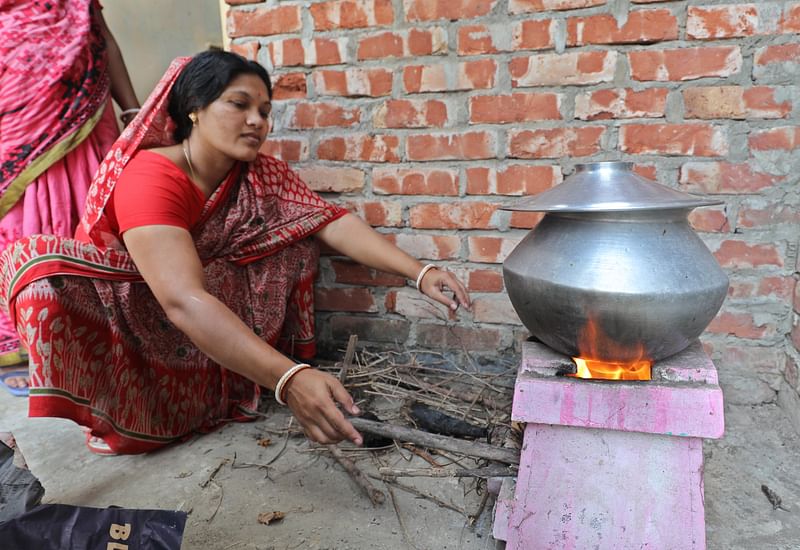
193, 118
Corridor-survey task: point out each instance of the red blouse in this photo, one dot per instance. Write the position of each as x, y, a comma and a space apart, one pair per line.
152, 190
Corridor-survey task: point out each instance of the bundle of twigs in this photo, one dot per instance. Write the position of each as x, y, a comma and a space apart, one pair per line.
477, 396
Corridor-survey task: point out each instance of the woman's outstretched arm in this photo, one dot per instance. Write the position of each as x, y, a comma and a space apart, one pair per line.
351, 236
167, 259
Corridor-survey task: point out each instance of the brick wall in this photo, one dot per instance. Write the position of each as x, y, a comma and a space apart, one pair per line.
424, 116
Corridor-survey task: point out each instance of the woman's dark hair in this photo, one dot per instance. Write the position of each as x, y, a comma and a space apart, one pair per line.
203, 80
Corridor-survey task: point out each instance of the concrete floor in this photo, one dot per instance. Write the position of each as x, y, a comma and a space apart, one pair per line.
324, 511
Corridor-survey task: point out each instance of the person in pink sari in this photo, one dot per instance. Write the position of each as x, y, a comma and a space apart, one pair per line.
189, 283
60, 64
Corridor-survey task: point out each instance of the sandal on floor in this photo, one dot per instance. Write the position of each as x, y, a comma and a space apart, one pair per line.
98, 445
15, 390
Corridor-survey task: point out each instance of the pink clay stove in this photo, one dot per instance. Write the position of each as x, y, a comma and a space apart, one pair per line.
610, 464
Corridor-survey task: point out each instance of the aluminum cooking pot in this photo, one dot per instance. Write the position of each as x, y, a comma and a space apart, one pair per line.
614, 271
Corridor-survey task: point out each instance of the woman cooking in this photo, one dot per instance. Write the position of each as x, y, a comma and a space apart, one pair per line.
190, 270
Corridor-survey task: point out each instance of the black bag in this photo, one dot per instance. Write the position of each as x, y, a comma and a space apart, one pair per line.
63, 527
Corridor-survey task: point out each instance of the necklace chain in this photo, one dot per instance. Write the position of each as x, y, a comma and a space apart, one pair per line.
187, 153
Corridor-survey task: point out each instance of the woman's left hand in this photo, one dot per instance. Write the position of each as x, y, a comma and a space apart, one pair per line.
437, 280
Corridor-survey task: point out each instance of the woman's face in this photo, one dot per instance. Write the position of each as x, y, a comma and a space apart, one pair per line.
237, 122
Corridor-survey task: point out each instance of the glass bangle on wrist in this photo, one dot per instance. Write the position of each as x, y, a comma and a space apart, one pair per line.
280, 387
422, 274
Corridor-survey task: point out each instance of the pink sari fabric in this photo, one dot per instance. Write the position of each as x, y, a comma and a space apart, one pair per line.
53, 203
55, 78
103, 352
54, 81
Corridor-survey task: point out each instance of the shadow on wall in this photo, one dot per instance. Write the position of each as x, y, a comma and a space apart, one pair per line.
151, 33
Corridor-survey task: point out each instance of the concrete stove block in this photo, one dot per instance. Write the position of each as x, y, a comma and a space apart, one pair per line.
611, 465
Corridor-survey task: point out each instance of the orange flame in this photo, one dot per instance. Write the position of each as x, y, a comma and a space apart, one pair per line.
589, 366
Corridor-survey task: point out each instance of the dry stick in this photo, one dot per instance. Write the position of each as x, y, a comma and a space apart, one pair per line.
442, 472
469, 448
419, 493
474, 517
374, 494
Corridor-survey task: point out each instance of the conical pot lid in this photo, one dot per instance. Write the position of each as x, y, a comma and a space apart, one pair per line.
608, 187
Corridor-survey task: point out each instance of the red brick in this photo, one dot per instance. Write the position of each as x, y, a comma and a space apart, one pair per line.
380, 46
264, 21
556, 142
353, 82
428, 247
466, 146
734, 102
410, 303
237, 2
495, 310
484, 280
741, 325
476, 75
711, 219
527, 6
248, 50
411, 113
286, 53
369, 329
729, 21
781, 288
790, 22
621, 103
424, 78
321, 51
290, 150
762, 213
449, 215
360, 147
327, 51
415, 42
641, 27
289, 86
515, 179
322, 115
724, 177
525, 220
647, 171
454, 10
685, 63
376, 213
351, 273
781, 53
433, 181
533, 34
475, 40
519, 107
786, 138
563, 69
738, 255
480, 339
351, 14
795, 334
344, 299
330, 179
490, 250
701, 140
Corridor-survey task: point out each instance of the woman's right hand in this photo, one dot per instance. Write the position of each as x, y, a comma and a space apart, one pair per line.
312, 396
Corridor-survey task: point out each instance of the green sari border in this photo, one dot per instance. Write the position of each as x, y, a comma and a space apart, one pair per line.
16, 188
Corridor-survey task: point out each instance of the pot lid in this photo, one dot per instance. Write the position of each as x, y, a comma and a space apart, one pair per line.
608, 187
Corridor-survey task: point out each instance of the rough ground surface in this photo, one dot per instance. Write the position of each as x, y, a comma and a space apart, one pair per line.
325, 511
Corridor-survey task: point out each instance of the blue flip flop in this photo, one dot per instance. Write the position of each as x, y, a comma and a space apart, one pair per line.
21, 373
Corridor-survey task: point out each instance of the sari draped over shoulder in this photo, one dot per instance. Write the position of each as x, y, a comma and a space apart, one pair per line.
103, 352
